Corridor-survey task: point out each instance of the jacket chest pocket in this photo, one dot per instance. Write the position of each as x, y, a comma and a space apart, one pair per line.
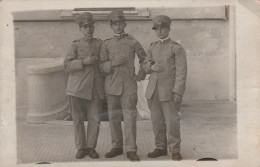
84, 52
115, 54
170, 56
165, 59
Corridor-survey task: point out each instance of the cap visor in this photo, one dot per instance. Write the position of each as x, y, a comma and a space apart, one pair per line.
92, 22
114, 21
155, 27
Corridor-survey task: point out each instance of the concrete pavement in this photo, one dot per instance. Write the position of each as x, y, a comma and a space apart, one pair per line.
208, 129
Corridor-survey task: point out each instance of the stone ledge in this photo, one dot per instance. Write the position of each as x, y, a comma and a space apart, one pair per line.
45, 68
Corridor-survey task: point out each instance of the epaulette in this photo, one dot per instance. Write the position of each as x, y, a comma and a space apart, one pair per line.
106, 40
97, 39
100, 40
77, 40
153, 43
175, 42
129, 36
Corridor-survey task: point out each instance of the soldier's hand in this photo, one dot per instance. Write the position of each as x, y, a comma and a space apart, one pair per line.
157, 68
90, 60
118, 61
177, 100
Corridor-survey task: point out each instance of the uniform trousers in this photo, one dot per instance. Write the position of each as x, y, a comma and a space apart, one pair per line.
165, 119
93, 109
117, 105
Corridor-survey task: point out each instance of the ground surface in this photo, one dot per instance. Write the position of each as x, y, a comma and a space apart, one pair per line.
208, 129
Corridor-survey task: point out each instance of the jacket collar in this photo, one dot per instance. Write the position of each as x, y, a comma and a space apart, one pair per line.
165, 40
120, 36
87, 39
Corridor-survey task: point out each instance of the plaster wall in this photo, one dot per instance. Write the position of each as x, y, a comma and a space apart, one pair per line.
206, 43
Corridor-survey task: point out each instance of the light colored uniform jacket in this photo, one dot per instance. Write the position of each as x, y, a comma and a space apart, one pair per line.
119, 79
172, 57
83, 77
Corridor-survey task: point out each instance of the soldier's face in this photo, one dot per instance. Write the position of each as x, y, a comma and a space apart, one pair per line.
118, 27
87, 30
162, 32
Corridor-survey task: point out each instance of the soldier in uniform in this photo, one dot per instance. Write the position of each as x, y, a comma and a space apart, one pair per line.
85, 86
166, 62
117, 57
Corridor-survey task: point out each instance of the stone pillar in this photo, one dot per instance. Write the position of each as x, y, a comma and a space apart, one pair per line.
46, 92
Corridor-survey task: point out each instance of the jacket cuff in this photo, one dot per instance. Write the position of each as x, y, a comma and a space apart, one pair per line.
147, 68
178, 90
107, 67
76, 65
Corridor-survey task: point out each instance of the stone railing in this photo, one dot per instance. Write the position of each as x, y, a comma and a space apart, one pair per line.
47, 100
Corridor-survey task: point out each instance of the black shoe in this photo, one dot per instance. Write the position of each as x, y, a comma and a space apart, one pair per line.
176, 156
132, 156
92, 153
157, 153
81, 153
114, 152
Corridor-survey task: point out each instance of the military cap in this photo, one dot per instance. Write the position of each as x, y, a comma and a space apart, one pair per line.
161, 21
116, 15
84, 18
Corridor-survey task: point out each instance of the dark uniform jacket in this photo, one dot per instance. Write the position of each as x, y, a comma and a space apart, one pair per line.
83, 77
119, 79
172, 57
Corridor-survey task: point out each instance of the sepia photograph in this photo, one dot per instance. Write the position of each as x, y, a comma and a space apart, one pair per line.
166, 82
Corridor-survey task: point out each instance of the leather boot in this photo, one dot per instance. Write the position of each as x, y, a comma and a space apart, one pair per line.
92, 153
176, 156
132, 156
157, 153
114, 152
81, 153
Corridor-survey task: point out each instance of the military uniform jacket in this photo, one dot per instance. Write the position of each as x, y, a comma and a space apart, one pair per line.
119, 79
172, 57
83, 77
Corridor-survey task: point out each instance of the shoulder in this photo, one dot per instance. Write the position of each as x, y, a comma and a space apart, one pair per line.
75, 43
133, 40
77, 40
153, 43
129, 36
178, 49
176, 44
98, 40
107, 41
